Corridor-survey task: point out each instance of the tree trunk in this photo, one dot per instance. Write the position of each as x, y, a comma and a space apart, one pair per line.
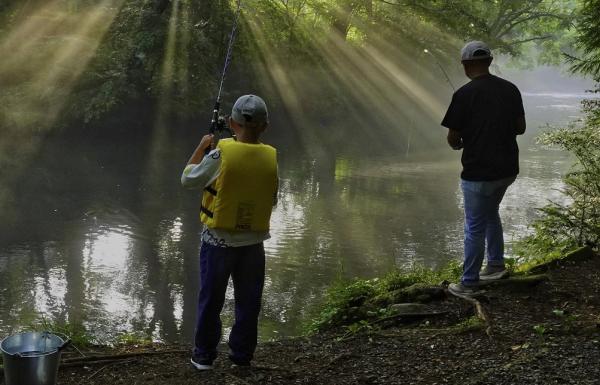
161, 5
343, 17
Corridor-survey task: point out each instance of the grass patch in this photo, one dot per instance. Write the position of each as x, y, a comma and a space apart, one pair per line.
539, 251
468, 325
136, 339
77, 333
349, 302
354, 305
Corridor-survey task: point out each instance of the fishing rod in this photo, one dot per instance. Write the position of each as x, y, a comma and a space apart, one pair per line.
218, 123
441, 68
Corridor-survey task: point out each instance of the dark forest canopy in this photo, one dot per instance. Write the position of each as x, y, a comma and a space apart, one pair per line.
74, 61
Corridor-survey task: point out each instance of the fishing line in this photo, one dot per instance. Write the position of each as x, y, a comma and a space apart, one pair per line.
441, 68
218, 122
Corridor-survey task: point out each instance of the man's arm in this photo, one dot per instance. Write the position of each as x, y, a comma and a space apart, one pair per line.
454, 139
456, 120
519, 112
521, 125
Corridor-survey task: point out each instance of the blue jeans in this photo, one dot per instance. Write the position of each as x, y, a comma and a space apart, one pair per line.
482, 224
246, 266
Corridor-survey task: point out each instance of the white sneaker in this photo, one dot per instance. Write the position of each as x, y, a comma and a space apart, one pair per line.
490, 273
201, 365
460, 289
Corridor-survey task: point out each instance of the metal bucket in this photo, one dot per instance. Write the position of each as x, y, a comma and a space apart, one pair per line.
32, 358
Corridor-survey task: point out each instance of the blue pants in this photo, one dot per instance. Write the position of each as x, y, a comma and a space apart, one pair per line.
246, 266
482, 224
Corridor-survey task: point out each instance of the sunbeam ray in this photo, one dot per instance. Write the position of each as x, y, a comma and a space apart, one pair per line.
377, 88
54, 72
31, 107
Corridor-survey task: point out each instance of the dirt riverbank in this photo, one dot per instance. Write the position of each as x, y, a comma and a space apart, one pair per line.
544, 332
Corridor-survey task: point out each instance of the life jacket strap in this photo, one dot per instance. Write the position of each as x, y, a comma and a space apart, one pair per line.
206, 211
211, 190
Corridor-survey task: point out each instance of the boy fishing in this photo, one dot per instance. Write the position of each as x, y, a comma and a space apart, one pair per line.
239, 178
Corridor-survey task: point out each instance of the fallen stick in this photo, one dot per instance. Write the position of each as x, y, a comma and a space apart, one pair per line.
410, 316
116, 357
93, 360
109, 364
90, 363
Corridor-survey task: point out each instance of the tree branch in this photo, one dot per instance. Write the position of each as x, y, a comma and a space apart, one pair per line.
533, 16
515, 14
517, 42
501, 11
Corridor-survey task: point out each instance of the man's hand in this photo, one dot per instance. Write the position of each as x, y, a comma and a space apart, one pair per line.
455, 140
521, 125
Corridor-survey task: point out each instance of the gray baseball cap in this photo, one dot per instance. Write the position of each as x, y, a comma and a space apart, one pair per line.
475, 50
250, 109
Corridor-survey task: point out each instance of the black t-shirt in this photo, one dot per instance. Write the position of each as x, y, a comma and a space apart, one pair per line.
485, 111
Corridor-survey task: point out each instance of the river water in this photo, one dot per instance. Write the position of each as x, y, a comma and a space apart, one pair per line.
103, 236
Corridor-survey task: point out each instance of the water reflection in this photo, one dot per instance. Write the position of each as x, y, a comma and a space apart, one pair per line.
117, 251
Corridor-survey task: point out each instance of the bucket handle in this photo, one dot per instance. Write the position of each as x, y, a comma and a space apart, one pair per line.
65, 344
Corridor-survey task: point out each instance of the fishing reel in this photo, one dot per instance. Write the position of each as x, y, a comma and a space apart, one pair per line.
220, 125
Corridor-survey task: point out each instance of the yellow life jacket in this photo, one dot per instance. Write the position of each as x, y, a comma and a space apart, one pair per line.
241, 198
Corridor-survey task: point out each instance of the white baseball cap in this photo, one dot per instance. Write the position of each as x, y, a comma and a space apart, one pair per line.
475, 50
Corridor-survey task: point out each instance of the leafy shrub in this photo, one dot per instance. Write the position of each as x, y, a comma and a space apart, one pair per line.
564, 227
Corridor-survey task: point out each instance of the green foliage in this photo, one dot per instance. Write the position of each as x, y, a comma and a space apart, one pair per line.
355, 328
131, 339
569, 321
419, 274
133, 63
77, 333
340, 298
564, 227
587, 60
165, 56
509, 26
344, 300
470, 324
539, 330
558, 312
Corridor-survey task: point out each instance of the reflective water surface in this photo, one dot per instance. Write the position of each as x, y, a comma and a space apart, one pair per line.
102, 235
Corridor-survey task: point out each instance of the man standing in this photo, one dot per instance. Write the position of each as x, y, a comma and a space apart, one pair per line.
484, 119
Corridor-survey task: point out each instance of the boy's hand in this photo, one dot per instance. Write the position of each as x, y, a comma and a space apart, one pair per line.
201, 150
206, 142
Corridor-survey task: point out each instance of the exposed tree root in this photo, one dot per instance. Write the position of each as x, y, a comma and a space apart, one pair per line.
479, 311
516, 283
